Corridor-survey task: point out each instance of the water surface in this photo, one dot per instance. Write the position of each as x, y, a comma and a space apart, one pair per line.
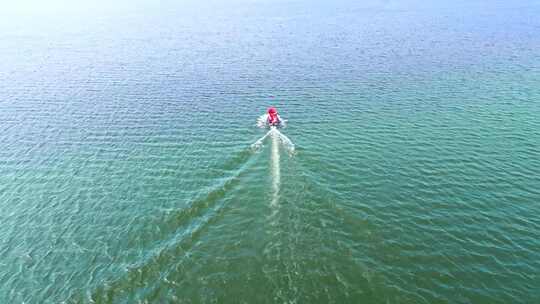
127, 173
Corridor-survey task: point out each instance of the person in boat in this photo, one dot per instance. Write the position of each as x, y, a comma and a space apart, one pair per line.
273, 118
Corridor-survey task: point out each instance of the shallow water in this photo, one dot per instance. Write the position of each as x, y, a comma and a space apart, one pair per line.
127, 172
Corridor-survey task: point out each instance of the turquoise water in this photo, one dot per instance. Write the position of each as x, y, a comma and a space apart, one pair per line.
127, 173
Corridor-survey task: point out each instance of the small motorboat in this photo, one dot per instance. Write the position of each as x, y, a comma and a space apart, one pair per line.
272, 118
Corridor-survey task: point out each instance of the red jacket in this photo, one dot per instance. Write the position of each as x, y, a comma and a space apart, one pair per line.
273, 117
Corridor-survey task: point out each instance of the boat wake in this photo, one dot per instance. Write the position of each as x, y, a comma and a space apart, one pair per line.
276, 170
278, 139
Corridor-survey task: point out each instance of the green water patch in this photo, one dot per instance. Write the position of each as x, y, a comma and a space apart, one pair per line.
169, 235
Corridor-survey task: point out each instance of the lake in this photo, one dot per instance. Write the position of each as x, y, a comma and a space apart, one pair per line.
127, 173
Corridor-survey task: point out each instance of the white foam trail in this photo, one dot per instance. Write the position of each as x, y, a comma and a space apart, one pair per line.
287, 143
258, 144
276, 170
262, 121
277, 138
